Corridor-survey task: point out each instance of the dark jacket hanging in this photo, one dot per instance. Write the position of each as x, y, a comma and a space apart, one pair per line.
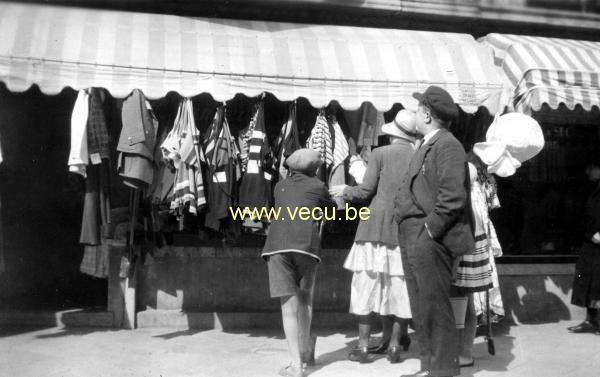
137, 141
96, 207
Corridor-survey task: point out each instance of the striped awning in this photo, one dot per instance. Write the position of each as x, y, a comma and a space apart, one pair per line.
541, 70
55, 47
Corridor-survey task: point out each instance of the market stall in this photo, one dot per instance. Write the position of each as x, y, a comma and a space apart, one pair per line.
230, 83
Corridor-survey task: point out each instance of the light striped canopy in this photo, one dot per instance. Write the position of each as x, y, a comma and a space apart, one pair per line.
542, 70
56, 47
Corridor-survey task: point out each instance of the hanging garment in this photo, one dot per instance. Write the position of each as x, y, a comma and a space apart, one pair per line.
245, 139
340, 153
224, 170
98, 140
370, 125
96, 204
164, 178
78, 156
95, 260
287, 142
256, 185
137, 141
365, 127
182, 149
320, 140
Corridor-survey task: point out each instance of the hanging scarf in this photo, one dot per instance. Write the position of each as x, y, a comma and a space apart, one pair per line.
320, 140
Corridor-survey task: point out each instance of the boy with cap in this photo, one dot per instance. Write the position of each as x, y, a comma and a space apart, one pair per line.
292, 252
433, 230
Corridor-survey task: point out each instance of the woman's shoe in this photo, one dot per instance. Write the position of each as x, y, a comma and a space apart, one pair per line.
380, 349
393, 355
360, 354
405, 342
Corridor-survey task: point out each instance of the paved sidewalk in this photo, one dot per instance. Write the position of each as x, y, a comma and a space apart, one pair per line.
544, 350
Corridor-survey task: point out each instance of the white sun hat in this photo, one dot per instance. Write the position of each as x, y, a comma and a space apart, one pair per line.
512, 139
404, 123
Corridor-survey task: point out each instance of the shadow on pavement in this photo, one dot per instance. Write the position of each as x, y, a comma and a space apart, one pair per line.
7, 331
504, 346
76, 332
177, 334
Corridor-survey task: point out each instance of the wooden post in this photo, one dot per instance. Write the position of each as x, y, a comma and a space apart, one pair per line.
116, 301
121, 291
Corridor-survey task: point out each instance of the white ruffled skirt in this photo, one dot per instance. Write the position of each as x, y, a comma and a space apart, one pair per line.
378, 283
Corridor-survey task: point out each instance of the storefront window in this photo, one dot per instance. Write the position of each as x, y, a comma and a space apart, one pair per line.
543, 203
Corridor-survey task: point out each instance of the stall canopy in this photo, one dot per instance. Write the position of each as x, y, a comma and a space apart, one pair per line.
55, 47
541, 70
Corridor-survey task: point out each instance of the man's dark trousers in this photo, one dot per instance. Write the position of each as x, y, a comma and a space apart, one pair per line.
428, 272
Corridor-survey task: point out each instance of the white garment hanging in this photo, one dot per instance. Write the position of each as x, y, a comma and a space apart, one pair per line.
78, 157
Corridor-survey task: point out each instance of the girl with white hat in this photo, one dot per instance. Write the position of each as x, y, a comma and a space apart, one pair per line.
511, 139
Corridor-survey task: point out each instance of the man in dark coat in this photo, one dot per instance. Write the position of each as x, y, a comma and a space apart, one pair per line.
586, 285
433, 230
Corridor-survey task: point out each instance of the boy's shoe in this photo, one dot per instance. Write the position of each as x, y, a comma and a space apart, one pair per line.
291, 371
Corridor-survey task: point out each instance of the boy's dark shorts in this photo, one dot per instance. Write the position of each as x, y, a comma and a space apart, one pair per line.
289, 272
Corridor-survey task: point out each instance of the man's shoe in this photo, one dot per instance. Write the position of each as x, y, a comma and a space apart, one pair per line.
465, 362
583, 327
421, 373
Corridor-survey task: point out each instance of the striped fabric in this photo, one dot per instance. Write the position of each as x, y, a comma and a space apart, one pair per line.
340, 149
474, 270
320, 140
189, 186
473, 273
56, 47
542, 70
245, 140
256, 186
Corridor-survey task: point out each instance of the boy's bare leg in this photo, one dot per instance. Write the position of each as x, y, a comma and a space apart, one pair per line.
291, 327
